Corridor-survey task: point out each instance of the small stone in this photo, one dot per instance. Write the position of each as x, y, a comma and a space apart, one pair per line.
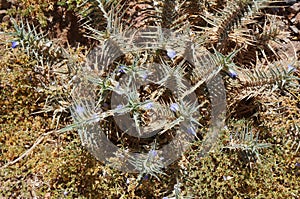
290, 16
294, 8
294, 29
297, 20
3, 12
227, 178
6, 18
47, 195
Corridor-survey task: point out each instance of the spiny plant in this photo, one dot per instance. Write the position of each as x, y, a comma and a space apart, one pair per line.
54, 65
243, 140
36, 45
190, 59
225, 20
204, 40
148, 165
265, 79
125, 97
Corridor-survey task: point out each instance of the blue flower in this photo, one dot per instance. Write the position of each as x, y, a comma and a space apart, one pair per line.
232, 73
146, 177
80, 109
15, 44
152, 153
122, 69
291, 69
105, 106
171, 53
297, 164
119, 106
144, 76
174, 107
148, 105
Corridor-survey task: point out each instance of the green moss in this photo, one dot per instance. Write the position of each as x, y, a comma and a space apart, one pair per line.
225, 175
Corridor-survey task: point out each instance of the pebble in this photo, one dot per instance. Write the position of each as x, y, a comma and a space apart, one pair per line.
290, 1
295, 8
296, 21
294, 29
294, 17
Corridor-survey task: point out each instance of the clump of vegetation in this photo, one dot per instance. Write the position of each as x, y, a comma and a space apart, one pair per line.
56, 95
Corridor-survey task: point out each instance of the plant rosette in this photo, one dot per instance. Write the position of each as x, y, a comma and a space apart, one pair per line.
147, 100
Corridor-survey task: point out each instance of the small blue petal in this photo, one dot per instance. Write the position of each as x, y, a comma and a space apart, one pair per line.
291, 69
119, 106
148, 106
152, 153
171, 53
174, 107
144, 76
232, 73
297, 164
80, 109
105, 106
122, 69
15, 44
165, 198
146, 177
